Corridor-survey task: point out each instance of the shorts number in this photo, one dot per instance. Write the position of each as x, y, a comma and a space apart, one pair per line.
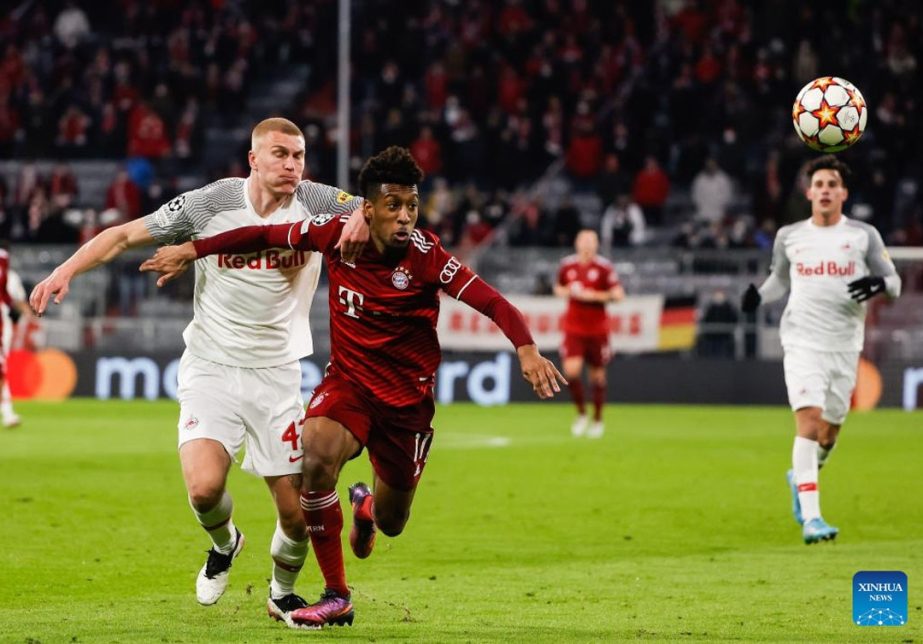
291, 436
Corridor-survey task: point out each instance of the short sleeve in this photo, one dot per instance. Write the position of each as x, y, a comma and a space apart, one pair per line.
319, 198
172, 223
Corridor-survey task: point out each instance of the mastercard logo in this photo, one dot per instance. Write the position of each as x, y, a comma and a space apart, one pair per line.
48, 374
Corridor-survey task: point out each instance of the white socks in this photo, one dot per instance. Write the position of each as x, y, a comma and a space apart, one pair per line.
804, 465
217, 523
823, 453
287, 558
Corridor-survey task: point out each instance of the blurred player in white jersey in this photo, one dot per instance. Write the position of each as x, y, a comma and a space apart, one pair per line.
832, 265
239, 378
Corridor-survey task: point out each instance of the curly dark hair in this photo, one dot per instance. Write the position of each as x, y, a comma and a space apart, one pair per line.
828, 162
393, 165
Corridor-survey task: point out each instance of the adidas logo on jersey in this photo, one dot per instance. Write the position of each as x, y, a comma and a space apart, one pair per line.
826, 268
270, 259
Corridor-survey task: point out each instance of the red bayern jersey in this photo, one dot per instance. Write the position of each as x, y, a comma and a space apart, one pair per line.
586, 318
383, 316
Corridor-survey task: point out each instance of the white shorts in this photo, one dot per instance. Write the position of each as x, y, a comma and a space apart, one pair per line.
824, 379
231, 404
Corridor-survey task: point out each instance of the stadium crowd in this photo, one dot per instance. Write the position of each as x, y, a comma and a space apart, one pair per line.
669, 121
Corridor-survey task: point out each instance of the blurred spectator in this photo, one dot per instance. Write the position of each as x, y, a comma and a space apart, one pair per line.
71, 26
62, 187
147, 135
718, 341
612, 180
427, 152
124, 196
622, 224
712, 192
650, 189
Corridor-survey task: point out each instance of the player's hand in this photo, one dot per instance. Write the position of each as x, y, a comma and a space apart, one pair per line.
539, 372
751, 299
866, 288
353, 237
170, 262
57, 284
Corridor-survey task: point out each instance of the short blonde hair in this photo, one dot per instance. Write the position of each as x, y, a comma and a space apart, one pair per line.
274, 124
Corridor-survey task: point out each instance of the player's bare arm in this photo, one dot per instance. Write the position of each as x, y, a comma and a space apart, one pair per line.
540, 372
101, 249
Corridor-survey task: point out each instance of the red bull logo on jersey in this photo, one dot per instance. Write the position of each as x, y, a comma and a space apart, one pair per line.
268, 260
830, 268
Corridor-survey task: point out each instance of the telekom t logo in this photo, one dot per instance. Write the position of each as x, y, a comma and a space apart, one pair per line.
352, 300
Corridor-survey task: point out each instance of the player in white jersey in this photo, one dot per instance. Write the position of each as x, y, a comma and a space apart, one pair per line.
239, 378
832, 265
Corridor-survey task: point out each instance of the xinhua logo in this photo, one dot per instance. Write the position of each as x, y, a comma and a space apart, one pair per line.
879, 598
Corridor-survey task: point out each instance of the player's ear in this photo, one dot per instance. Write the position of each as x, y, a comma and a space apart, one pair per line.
367, 209
251, 160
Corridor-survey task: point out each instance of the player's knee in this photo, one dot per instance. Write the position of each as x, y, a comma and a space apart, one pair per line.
598, 381
391, 523
319, 467
204, 495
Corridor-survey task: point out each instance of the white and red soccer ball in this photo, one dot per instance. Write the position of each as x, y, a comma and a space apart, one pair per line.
829, 114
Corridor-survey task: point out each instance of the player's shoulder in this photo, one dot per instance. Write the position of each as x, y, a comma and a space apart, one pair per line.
309, 192
855, 225
223, 194
604, 262
424, 241
567, 260
790, 229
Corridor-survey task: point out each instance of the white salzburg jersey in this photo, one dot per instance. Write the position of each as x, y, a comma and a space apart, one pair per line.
817, 263
249, 310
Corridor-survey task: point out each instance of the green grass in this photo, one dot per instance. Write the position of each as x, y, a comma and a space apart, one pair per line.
675, 526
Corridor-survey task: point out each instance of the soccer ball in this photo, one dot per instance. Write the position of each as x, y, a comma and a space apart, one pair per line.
829, 114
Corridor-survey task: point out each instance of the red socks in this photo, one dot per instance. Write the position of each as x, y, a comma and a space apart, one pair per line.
576, 392
324, 518
599, 399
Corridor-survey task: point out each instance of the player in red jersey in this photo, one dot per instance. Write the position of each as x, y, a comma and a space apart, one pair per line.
589, 282
6, 299
378, 390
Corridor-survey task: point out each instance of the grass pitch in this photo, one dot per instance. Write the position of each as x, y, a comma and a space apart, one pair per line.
675, 526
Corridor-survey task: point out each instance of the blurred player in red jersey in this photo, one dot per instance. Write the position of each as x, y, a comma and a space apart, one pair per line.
378, 390
13, 306
8, 301
589, 282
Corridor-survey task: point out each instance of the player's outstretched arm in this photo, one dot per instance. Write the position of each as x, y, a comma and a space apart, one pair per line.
101, 249
537, 370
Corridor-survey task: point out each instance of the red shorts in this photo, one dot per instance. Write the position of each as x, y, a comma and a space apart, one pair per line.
592, 348
397, 438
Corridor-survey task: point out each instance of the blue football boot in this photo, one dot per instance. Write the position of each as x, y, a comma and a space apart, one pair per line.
817, 530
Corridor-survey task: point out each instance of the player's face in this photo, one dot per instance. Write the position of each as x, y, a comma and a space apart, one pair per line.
278, 161
586, 244
393, 215
826, 193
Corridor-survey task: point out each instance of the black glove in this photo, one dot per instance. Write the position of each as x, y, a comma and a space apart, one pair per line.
750, 299
866, 287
